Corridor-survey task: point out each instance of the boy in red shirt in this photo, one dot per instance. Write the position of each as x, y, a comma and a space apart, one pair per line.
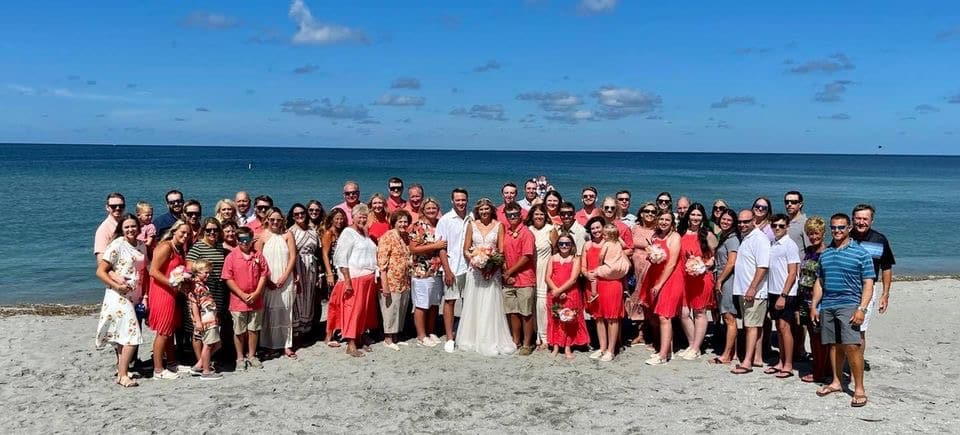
519, 278
245, 272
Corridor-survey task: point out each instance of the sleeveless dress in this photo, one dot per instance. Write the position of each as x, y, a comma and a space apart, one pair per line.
609, 305
698, 289
573, 332
544, 251
118, 320
669, 301
483, 321
162, 300
305, 299
277, 332
334, 294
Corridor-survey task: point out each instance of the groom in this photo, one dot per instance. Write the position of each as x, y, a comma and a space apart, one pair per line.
519, 278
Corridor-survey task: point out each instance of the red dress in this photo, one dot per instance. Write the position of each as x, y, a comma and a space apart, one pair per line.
669, 301
574, 332
164, 317
698, 288
377, 229
610, 303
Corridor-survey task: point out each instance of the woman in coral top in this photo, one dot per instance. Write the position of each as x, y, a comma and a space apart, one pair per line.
164, 315
565, 321
664, 283
697, 245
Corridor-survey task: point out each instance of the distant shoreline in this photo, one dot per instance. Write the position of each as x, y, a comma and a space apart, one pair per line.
49, 309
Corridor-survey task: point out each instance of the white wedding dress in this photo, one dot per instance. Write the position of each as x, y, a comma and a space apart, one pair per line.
483, 322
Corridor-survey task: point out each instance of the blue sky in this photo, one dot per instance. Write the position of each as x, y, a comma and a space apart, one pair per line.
746, 76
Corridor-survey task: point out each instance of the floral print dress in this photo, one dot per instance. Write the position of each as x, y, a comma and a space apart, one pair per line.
118, 320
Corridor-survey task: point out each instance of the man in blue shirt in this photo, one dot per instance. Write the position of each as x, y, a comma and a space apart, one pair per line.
841, 294
174, 210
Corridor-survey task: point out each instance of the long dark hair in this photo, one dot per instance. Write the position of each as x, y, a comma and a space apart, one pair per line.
725, 234
701, 232
119, 231
290, 221
318, 222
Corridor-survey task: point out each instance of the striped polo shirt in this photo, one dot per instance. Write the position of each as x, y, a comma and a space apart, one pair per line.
842, 272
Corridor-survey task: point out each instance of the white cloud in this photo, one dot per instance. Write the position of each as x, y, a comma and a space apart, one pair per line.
596, 6
208, 20
622, 102
311, 32
399, 100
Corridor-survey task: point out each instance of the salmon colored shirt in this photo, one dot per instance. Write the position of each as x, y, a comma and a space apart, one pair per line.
245, 271
515, 247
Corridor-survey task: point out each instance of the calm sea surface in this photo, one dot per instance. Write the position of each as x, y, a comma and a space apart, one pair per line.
53, 195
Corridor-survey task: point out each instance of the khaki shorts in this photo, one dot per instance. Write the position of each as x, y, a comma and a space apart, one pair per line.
519, 300
211, 336
455, 291
244, 321
753, 312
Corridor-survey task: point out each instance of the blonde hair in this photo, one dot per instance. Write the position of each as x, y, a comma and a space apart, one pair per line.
610, 232
815, 224
201, 265
143, 206
429, 200
173, 228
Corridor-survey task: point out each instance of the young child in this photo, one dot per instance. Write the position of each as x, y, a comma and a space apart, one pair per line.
245, 272
613, 263
203, 312
563, 294
148, 231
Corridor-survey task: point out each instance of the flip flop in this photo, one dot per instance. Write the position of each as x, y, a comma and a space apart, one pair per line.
741, 370
858, 401
356, 354
770, 370
291, 355
128, 383
808, 378
717, 361
827, 390
784, 375
332, 343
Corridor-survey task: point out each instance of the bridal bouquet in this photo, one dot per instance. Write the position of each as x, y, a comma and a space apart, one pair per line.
655, 254
562, 313
485, 258
695, 266
178, 276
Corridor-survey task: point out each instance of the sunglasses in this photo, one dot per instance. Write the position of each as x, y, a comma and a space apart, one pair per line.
663, 201
211, 230
513, 215
566, 214
299, 214
760, 207
396, 188
192, 214
564, 244
609, 208
351, 193
745, 221
719, 208
778, 226
647, 211
116, 206
623, 199
314, 210
791, 201
838, 227
176, 201
589, 196
263, 207
244, 240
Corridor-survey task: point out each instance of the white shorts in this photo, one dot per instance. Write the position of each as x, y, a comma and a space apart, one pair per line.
426, 292
455, 291
871, 307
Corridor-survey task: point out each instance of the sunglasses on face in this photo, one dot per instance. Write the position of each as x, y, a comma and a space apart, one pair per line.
275, 220
351, 193
396, 188
745, 222
623, 199
791, 201
609, 208
719, 208
210, 230
299, 214
778, 226
589, 196
244, 240
513, 215
566, 214
116, 206
192, 214
175, 202
564, 244
263, 207
838, 227
647, 211
314, 210
760, 207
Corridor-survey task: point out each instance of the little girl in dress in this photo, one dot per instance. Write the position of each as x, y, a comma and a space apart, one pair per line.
565, 323
614, 264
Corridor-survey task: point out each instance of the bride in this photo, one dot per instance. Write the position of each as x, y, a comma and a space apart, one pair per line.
483, 323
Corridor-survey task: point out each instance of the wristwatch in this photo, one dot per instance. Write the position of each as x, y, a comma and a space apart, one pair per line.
862, 310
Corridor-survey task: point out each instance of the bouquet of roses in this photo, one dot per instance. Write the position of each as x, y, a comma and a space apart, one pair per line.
655, 254
562, 313
178, 276
485, 258
695, 266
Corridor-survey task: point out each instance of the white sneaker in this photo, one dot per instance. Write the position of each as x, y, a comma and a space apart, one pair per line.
607, 357
449, 346
691, 355
391, 346
655, 361
596, 354
426, 342
165, 374
435, 339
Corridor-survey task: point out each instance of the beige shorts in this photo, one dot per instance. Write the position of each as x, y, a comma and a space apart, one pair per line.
244, 321
211, 336
519, 300
394, 308
753, 312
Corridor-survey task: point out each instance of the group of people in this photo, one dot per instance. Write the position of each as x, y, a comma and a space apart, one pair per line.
532, 272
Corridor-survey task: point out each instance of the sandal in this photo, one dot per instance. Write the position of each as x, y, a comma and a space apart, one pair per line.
356, 354
126, 382
290, 355
771, 371
333, 343
858, 401
827, 390
741, 370
784, 375
718, 361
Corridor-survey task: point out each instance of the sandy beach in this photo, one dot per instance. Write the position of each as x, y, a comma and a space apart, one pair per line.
53, 380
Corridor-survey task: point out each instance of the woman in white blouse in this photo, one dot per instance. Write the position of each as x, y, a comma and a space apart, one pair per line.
356, 259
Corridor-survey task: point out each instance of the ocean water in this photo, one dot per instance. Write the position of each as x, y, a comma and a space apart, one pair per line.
53, 195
